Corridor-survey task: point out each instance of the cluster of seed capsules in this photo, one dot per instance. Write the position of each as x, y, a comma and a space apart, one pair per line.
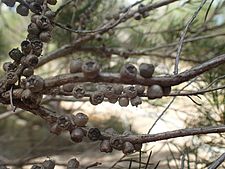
110, 139
115, 92
26, 58
50, 164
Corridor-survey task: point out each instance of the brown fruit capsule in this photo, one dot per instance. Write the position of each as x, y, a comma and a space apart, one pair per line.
140, 89
68, 87
137, 16
35, 7
45, 36
43, 22
90, 69
78, 92
33, 29
77, 135
27, 72
22, 10
64, 121
128, 148
37, 46
94, 134
11, 78
48, 164
123, 101
34, 18
136, 101
16, 54
116, 143
73, 164
109, 92
81, 119
96, 98
154, 91
30, 60
128, 72
8, 66
105, 146
9, 3
118, 89
35, 83
26, 47
52, 2
130, 91
75, 66
146, 70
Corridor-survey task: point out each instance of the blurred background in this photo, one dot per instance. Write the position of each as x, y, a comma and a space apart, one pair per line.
25, 138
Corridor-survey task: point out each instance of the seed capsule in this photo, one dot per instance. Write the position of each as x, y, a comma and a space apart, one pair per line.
154, 91
73, 164
33, 29
140, 89
16, 54
146, 70
75, 66
22, 10
128, 72
81, 119
90, 69
64, 121
77, 135
96, 98
11, 78
130, 91
8, 66
9, 3
52, 2
116, 143
128, 148
35, 7
29, 60
43, 22
78, 92
35, 83
45, 36
105, 146
48, 164
123, 101
137, 16
94, 134
26, 47
136, 101
27, 72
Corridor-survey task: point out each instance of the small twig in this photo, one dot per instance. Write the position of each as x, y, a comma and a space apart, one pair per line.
183, 36
182, 161
149, 157
217, 162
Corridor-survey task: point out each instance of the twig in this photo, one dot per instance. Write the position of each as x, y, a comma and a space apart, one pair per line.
183, 36
217, 162
149, 157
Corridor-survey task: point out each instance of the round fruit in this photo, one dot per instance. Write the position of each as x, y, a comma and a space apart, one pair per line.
146, 70
154, 91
